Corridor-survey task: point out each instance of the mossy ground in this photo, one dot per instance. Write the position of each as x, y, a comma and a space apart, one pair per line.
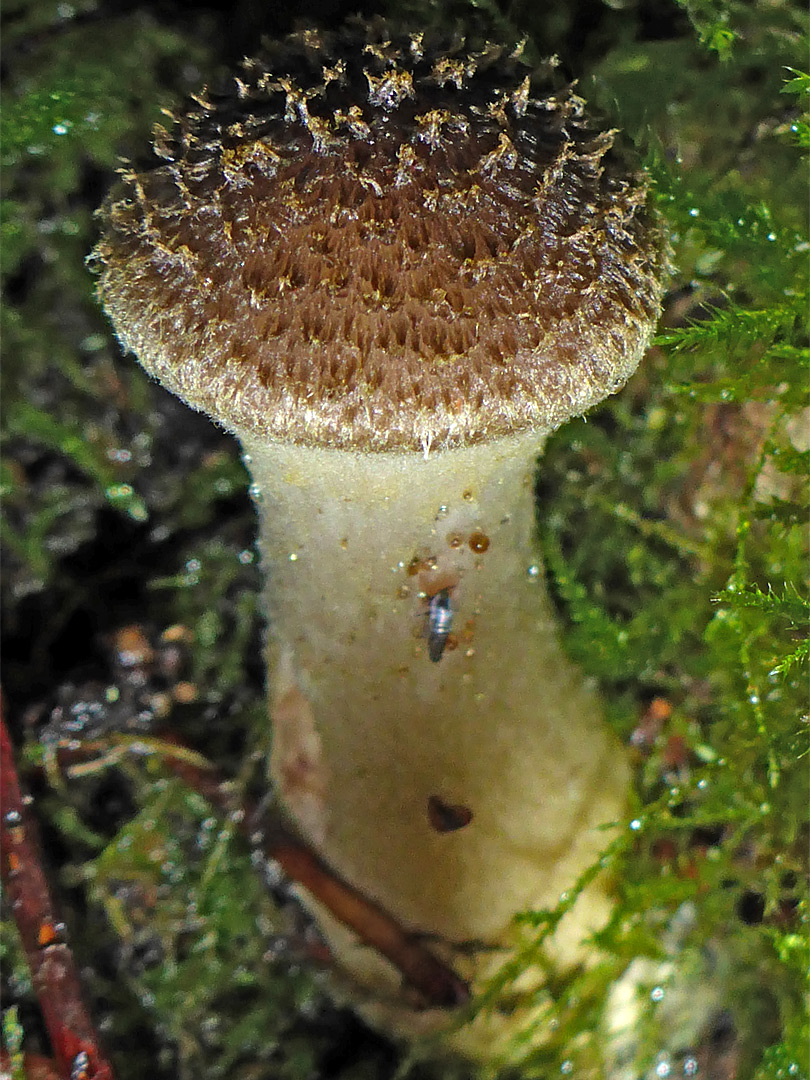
674, 519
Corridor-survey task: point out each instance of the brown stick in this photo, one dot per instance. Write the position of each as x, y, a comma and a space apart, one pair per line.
437, 983
53, 973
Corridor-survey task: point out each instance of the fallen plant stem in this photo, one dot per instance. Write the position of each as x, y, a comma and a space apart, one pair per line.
436, 982
73, 1037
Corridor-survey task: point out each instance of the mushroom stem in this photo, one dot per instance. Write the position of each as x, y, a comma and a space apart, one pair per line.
458, 791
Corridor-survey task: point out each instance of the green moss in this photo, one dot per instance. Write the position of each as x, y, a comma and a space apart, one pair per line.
699, 484
169, 884
673, 520
13, 1043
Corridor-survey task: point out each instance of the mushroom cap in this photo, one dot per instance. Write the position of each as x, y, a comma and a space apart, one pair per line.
370, 244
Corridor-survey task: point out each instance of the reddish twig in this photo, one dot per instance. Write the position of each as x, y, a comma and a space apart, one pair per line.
53, 973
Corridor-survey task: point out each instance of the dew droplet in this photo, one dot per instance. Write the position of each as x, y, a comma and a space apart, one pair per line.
255, 492
690, 1067
80, 1064
210, 1027
533, 571
116, 453
635, 824
657, 993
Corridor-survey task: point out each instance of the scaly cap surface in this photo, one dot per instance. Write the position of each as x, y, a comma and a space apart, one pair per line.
371, 245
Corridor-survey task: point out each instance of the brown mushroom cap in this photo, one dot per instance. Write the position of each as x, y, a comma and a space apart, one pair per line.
375, 246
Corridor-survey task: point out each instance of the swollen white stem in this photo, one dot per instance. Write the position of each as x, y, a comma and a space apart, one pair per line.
454, 792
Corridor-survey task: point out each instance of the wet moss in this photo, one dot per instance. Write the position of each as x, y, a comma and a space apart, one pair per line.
673, 521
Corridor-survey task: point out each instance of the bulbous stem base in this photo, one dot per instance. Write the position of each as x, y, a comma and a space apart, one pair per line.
431, 740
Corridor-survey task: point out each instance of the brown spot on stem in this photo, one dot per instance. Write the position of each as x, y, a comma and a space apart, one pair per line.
296, 763
479, 542
447, 817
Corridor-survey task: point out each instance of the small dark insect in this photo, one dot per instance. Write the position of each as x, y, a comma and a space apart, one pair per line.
440, 620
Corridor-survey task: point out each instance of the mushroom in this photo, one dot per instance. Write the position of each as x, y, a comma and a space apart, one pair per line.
392, 271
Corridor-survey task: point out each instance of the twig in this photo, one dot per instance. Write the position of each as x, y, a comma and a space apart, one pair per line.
437, 983
73, 1038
